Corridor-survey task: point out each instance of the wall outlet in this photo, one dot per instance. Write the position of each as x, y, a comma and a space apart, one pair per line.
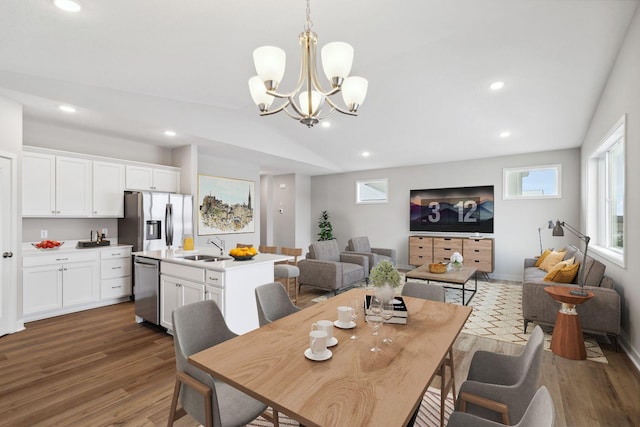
44, 234
105, 231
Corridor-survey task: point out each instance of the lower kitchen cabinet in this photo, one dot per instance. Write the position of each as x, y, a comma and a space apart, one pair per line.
215, 294
42, 288
174, 293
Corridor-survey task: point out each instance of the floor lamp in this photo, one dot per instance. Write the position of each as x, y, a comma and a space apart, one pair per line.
558, 230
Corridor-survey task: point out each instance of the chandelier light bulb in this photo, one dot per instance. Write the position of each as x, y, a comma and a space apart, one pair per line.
270, 62
259, 93
354, 90
316, 102
337, 58
68, 5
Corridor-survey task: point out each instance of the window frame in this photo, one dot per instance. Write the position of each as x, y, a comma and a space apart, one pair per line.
363, 182
598, 218
505, 182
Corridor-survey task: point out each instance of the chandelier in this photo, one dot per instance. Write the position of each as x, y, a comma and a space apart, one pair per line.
337, 58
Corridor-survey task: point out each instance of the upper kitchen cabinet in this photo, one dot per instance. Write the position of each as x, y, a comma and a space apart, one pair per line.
108, 189
152, 179
55, 186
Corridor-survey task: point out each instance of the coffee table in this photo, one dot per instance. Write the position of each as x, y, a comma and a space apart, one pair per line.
454, 277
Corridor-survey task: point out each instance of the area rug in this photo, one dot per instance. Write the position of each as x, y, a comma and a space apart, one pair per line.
497, 314
428, 415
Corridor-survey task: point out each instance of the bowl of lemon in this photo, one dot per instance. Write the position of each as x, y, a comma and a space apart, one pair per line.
243, 254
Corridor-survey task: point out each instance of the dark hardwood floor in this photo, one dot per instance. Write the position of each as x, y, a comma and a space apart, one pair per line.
99, 367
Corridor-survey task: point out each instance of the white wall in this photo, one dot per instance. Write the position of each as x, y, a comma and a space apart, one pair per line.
210, 165
516, 222
622, 95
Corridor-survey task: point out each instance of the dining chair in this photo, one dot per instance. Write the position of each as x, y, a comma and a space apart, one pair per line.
499, 387
539, 413
206, 399
263, 249
244, 245
432, 292
273, 303
288, 271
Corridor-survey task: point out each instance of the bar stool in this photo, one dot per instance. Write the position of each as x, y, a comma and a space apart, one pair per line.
289, 271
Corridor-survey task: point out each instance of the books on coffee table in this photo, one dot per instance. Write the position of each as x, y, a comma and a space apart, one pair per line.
400, 313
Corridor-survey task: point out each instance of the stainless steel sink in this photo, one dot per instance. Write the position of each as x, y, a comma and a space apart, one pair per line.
206, 258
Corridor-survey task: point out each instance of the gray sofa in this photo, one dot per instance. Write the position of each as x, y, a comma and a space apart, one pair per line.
361, 246
600, 315
327, 268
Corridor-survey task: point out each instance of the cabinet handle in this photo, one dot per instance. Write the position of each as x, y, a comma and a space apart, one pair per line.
118, 254
95, 212
60, 269
62, 259
65, 268
53, 212
447, 238
116, 268
213, 278
116, 287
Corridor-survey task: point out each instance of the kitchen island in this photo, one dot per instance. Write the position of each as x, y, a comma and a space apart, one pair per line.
229, 282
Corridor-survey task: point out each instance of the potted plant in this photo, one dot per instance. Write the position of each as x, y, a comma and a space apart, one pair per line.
385, 278
326, 230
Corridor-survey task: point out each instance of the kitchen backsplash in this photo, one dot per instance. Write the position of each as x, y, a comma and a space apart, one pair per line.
66, 228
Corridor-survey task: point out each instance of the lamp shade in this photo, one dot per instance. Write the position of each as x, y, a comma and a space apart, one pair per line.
270, 63
316, 102
337, 58
354, 90
259, 92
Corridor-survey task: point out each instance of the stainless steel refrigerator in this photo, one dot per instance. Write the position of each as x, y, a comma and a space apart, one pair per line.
152, 221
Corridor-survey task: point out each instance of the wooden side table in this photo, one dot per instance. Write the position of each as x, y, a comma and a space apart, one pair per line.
567, 340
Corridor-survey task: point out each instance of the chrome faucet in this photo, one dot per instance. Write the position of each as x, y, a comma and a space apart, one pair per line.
218, 244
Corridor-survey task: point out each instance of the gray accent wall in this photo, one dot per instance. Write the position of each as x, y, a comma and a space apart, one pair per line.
516, 222
621, 95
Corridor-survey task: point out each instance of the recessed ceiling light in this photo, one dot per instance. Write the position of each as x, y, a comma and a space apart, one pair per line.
496, 85
67, 108
366, 154
326, 124
505, 134
68, 5
169, 132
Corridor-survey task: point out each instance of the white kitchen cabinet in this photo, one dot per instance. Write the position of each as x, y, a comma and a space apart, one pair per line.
215, 294
115, 273
38, 184
52, 284
55, 186
108, 189
174, 293
152, 179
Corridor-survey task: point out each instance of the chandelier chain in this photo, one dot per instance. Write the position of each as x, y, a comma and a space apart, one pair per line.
308, 23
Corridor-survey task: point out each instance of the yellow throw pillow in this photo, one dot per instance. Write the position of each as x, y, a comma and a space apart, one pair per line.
542, 257
552, 259
565, 274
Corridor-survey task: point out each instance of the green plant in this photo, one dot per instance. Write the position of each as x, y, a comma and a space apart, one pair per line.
384, 272
326, 229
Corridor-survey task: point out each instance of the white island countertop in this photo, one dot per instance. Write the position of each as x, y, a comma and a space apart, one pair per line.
177, 256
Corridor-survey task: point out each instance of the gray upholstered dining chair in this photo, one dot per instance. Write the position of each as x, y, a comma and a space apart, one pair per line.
499, 387
208, 400
287, 272
432, 292
424, 290
273, 303
360, 245
539, 413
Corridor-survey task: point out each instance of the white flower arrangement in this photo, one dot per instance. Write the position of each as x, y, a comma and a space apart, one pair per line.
456, 258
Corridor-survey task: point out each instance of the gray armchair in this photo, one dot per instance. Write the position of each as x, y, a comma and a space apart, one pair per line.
327, 268
539, 413
499, 387
360, 245
273, 303
208, 400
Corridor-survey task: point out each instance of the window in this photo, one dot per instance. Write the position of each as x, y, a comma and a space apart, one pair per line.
607, 194
371, 191
535, 182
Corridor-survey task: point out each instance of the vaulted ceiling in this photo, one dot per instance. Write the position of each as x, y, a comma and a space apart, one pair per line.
133, 68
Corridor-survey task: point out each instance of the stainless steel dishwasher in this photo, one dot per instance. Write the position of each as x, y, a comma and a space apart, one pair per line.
147, 289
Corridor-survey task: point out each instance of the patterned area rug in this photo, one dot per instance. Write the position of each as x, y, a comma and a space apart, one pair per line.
428, 415
497, 314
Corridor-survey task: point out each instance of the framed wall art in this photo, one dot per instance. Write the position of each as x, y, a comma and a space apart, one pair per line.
225, 205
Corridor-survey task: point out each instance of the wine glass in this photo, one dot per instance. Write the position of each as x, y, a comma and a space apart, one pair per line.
375, 321
356, 309
387, 314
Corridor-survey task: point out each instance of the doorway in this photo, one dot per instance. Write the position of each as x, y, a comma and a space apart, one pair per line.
8, 249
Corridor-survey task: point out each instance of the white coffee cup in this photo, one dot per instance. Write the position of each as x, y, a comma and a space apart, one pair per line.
324, 325
344, 314
318, 342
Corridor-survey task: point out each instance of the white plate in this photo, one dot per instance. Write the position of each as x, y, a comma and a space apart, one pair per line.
341, 325
333, 341
318, 358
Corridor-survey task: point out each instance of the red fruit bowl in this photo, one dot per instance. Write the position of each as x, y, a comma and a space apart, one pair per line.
48, 245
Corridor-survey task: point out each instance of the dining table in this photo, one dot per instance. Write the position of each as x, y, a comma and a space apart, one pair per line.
355, 386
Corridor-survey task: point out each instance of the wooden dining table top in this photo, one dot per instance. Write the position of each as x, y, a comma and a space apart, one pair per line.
355, 386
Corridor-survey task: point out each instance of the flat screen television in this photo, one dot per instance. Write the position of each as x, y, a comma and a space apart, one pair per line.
452, 210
